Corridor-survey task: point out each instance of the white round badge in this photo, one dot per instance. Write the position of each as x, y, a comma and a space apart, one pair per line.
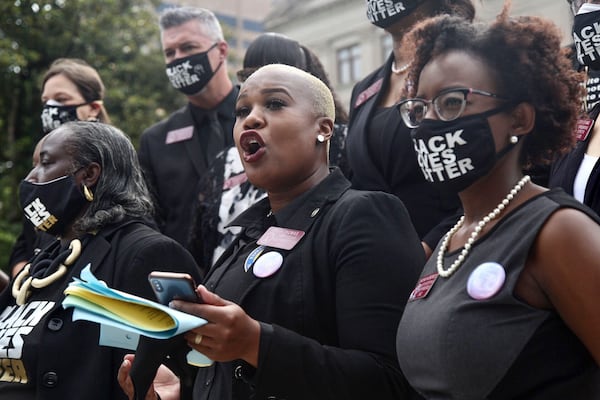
486, 280
267, 264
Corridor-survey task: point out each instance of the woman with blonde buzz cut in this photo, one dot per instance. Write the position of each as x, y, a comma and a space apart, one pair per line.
305, 302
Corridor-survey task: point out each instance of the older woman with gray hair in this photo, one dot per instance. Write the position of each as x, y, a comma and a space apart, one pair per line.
87, 190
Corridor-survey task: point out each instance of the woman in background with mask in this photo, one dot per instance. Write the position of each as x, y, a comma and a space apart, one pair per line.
578, 172
378, 146
507, 306
71, 90
87, 190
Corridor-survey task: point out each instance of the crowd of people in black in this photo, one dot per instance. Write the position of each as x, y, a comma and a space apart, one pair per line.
403, 249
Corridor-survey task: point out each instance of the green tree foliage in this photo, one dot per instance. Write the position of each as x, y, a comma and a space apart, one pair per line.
120, 38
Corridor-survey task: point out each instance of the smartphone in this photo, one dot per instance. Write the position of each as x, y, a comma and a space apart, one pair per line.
169, 286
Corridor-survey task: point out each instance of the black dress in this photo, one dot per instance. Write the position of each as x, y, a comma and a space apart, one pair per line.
454, 343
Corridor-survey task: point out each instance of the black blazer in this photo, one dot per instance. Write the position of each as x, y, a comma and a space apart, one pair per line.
173, 170
393, 166
329, 315
68, 361
564, 171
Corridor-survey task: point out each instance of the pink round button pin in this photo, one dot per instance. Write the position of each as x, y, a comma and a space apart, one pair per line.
486, 280
267, 264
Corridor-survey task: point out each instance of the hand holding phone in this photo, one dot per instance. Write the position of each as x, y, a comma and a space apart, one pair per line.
169, 286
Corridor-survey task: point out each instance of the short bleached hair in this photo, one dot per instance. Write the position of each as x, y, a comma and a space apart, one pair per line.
322, 98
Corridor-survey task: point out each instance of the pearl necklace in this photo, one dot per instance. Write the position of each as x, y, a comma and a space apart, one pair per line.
480, 225
400, 70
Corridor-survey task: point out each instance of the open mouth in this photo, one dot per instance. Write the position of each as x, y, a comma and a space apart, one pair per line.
252, 147
251, 143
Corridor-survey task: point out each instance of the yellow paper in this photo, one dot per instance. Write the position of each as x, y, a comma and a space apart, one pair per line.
144, 317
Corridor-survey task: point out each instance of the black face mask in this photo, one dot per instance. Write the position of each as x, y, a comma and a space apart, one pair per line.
191, 74
388, 12
54, 115
586, 37
454, 154
52, 206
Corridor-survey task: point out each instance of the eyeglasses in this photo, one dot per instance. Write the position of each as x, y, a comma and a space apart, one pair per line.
448, 105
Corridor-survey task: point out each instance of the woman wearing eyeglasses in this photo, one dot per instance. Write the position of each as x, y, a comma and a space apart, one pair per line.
507, 305
378, 145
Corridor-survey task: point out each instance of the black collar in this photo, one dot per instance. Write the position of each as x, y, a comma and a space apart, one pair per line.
301, 212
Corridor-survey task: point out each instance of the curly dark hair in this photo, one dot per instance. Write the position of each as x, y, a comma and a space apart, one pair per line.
528, 63
459, 8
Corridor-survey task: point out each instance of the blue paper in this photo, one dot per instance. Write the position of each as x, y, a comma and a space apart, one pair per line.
117, 331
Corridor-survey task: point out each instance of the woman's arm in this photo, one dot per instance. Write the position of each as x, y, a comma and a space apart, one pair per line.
565, 262
374, 257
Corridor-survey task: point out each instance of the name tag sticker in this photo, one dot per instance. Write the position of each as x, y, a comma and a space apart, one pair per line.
280, 238
423, 287
368, 93
179, 135
584, 126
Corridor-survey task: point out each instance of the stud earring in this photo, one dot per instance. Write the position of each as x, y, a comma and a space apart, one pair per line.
89, 196
320, 138
514, 139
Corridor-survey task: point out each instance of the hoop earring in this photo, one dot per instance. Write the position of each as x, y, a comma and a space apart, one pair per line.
89, 196
320, 138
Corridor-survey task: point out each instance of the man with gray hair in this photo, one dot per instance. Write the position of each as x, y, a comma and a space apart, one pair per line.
176, 152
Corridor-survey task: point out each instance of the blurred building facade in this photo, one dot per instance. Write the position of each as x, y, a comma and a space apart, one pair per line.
350, 47
338, 30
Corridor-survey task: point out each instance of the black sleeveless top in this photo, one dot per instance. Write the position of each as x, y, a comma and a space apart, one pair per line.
452, 346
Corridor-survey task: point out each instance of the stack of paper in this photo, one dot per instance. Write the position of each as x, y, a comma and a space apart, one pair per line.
123, 316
